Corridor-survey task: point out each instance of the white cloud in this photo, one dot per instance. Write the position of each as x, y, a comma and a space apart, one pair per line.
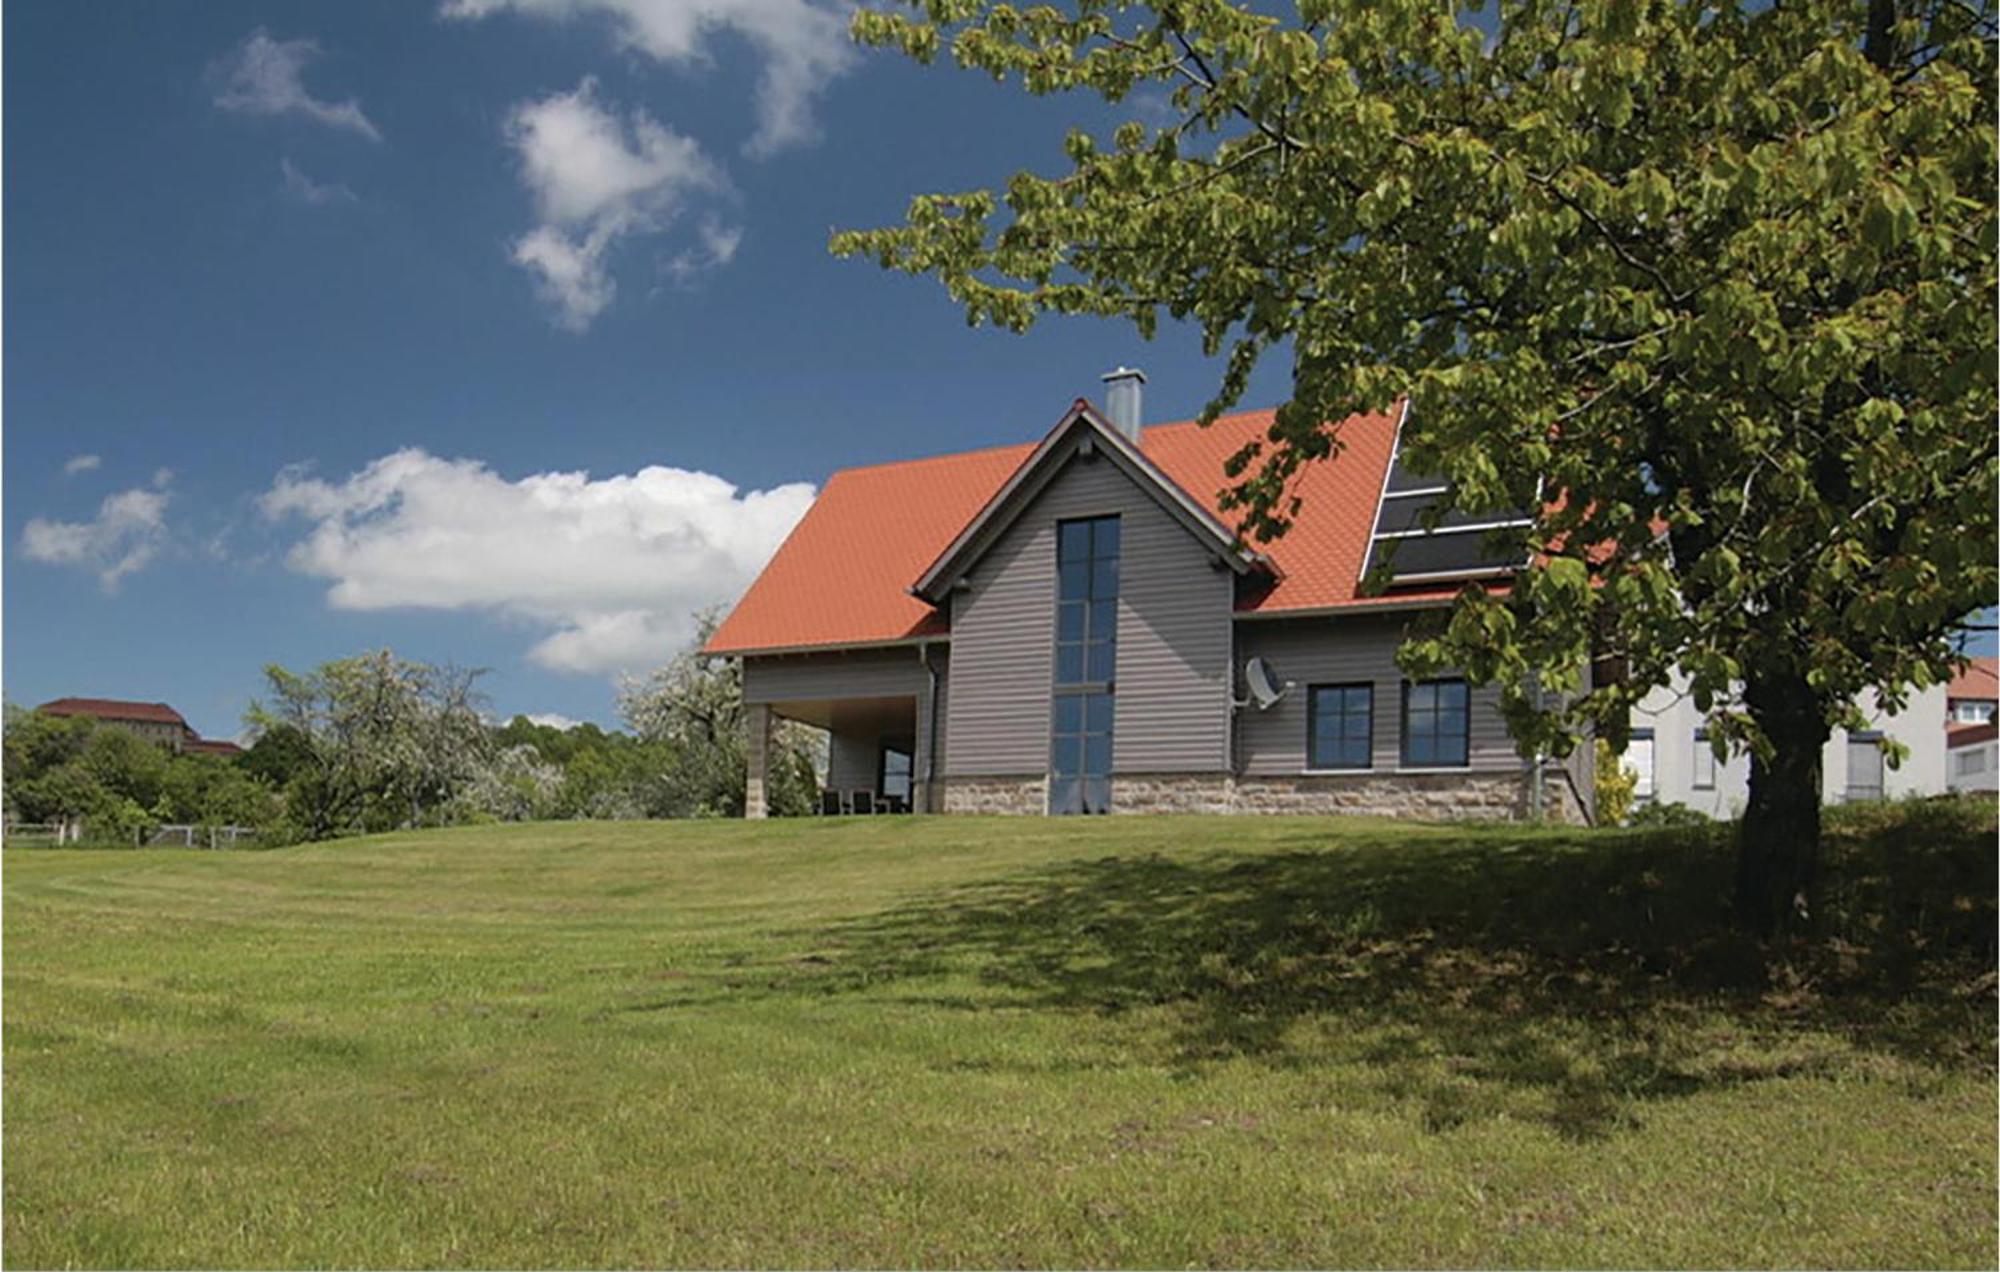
613, 567
264, 76
81, 464
306, 190
596, 179
715, 246
127, 533
554, 720
803, 43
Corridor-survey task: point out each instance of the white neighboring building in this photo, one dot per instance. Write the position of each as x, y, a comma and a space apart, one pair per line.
1974, 753
1670, 753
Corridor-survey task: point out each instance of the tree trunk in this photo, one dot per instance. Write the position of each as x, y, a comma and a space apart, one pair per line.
1777, 855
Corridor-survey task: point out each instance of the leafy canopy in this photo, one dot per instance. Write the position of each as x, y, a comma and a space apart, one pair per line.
1710, 286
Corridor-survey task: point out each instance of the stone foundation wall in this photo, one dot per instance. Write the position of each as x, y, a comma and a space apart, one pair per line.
1015, 796
1470, 796
1171, 793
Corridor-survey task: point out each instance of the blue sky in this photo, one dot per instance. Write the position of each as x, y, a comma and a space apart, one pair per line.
499, 332
259, 254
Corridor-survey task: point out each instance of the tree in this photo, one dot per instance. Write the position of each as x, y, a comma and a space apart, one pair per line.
692, 708
1708, 287
373, 742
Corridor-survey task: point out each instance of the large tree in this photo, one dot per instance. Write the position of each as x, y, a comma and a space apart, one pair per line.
372, 742
1709, 286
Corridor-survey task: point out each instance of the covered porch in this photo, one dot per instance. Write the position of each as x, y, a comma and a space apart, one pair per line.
876, 708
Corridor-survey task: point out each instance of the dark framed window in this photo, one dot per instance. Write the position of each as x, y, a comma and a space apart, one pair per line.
1340, 727
1704, 762
1639, 762
1864, 766
893, 773
1437, 716
1086, 665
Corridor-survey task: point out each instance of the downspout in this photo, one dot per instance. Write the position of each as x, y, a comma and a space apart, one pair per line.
1536, 793
930, 741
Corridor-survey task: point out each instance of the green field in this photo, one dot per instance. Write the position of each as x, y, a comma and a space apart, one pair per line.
948, 1042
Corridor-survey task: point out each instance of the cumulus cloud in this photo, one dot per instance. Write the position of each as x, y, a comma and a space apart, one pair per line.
803, 45
81, 464
306, 190
596, 178
613, 568
127, 533
263, 76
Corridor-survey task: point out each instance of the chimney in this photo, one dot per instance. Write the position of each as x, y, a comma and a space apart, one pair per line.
1124, 397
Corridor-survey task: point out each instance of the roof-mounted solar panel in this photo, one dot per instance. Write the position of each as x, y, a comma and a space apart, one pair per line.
1457, 545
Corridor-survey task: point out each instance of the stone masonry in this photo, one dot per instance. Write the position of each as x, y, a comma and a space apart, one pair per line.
1470, 796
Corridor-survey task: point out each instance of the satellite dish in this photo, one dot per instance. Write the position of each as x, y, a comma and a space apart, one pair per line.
1265, 691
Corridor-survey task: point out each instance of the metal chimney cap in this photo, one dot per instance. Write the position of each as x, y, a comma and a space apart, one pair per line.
1124, 373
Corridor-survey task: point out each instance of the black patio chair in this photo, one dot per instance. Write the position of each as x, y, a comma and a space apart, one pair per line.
829, 804
862, 802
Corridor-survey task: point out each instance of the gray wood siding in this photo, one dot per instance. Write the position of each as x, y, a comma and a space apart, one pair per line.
1344, 650
858, 673
1173, 638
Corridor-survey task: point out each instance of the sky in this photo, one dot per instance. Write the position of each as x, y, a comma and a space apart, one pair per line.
497, 332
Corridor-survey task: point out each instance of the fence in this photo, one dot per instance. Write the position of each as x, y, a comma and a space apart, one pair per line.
75, 831
201, 836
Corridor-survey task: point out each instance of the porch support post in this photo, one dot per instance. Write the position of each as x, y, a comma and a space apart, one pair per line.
757, 723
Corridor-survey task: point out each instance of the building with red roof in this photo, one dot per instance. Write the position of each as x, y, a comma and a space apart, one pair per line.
156, 722
1074, 625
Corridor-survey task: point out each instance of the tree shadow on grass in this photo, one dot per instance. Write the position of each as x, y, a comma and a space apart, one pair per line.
1570, 976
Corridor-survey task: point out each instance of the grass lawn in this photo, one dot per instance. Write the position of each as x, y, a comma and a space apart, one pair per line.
1157, 1042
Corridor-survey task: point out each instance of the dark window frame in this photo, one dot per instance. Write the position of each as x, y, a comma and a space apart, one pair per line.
1314, 761
1702, 750
1872, 740
882, 754
1437, 715
1097, 610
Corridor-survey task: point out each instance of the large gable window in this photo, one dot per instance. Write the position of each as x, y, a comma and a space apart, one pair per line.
1086, 665
1436, 724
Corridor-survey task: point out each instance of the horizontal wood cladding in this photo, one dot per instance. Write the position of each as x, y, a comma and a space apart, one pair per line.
1360, 649
896, 672
1172, 695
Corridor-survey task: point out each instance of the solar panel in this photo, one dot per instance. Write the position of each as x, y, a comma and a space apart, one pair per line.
1461, 544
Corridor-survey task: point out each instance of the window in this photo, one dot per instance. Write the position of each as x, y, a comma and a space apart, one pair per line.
1704, 762
1435, 724
1975, 712
1639, 760
1340, 727
894, 776
1864, 766
1972, 760
1086, 665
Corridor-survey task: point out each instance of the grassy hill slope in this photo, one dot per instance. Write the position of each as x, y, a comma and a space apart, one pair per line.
944, 1042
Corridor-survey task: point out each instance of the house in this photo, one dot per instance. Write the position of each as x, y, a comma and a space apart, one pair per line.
156, 722
1973, 753
1072, 626
1970, 726
1669, 751
1974, 693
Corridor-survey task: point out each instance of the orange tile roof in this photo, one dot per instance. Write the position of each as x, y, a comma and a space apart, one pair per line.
112, 709
1979, 679
844, 574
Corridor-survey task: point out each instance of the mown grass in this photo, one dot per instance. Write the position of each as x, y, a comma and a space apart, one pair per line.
966, 1042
